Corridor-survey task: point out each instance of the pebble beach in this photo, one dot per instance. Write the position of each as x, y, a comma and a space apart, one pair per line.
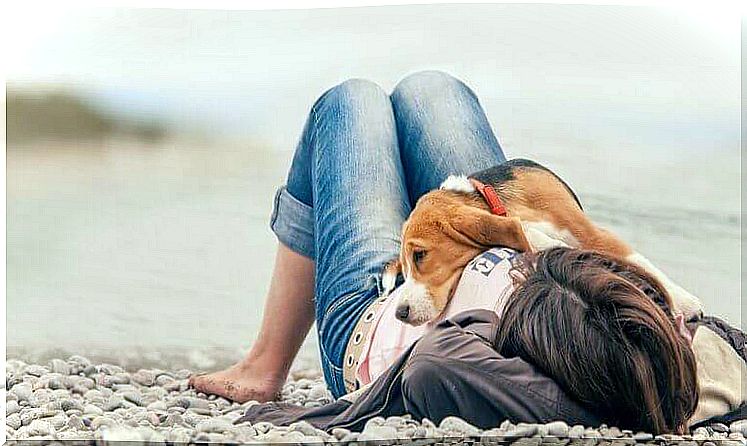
74, 400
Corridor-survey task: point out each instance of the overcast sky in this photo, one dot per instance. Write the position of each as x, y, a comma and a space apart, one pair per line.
646, 74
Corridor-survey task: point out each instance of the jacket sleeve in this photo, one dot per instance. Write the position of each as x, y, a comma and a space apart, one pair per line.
451, 370
454, 370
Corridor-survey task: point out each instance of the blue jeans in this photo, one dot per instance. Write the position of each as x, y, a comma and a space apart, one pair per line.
363, 160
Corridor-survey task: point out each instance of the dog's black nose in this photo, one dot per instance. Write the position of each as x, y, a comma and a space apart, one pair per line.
403, 310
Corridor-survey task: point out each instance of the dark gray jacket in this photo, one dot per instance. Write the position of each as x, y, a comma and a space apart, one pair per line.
453, 370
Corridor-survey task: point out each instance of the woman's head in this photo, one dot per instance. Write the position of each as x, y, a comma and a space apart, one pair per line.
602, 328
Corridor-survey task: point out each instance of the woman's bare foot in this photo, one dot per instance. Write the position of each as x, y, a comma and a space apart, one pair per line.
240, 382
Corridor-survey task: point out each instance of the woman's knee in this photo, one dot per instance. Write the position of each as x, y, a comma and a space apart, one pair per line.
352, 124
423, 86
359, 94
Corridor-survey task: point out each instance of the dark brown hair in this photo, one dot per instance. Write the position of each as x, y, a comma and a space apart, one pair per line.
602, 328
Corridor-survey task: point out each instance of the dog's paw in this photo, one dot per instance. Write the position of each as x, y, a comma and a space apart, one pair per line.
540, 241
389, 277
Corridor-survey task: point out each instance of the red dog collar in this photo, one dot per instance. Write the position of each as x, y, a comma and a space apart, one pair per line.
491, 197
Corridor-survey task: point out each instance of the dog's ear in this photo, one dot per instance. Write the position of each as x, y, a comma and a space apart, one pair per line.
483, 229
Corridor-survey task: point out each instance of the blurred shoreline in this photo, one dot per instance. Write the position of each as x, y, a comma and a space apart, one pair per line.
133, 241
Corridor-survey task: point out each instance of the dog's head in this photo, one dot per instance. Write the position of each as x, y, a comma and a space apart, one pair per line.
447, 228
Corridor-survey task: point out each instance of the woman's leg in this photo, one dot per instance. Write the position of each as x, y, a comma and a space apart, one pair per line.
289, 308
442, 130
360, 202
346, 201
288, 315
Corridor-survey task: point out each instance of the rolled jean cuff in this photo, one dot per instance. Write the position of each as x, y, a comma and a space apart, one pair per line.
292, 222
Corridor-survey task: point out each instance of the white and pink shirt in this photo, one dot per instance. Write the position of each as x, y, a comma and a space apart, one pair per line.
485, 283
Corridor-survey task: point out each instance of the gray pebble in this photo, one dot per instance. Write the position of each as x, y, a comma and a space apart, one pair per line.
29, 415
173, 419
456, 424
303, 427
58, 421
40, 428
613, 432
375, 421
592, 433
91, 409
319, 393
77, 364
13, 420
102, 421
378, 433
178, 436
577, 431
162, 380
521, 430
59, 366
110, 369
11, 407
197, 403
157, 405
114, 402
36, 370
263, 427
182, 374
213, 425
12, 380
55, 383
144, 377
15, 366
353, 436
134, 397
243, 433
643, 436
737, 426
22, 391
122, 434
120, 388
70, 404
340, 433
557, 429
75, 422
176, 386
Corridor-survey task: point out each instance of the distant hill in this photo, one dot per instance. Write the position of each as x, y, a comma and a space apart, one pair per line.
57, 114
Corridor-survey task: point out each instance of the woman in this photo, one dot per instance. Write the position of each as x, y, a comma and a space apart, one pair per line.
363, 160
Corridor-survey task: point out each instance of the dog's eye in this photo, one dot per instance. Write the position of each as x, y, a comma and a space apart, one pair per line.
418, 256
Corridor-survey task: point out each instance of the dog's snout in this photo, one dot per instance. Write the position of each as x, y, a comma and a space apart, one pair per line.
403, 311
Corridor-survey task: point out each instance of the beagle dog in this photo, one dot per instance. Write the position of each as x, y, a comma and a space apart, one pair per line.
518, 204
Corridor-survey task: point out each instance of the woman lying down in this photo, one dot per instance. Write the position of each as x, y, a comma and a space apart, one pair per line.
564, 334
